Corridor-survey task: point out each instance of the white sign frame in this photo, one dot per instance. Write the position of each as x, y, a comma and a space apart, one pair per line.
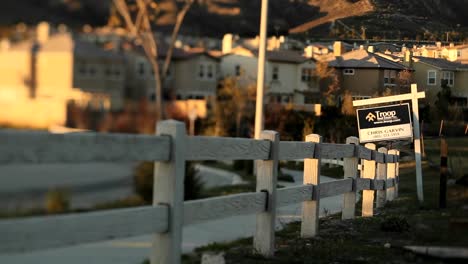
413, 96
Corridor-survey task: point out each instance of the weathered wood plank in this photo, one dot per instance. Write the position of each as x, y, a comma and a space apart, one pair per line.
224, 148
224, 206
293, 195
295, 150
168, 188
378, 185
379, 157
363, 184
390, 183
334, 188
336, 151
368, 173
365, 153
391, 168
267, 174
36, 233
42, 147
350, 168
381, 175
310, 209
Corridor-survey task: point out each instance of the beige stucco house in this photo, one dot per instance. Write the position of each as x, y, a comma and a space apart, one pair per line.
39, 77
430, 73
366, 74
192, 74
288, 75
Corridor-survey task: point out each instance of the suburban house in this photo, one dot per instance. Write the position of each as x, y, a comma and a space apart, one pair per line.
40, 77
366, 74
289, 75
430, 73
192, 74
458, 53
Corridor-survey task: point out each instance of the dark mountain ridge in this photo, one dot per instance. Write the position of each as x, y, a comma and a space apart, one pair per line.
425, 19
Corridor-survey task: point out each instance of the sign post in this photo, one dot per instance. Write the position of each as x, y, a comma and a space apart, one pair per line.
413, 96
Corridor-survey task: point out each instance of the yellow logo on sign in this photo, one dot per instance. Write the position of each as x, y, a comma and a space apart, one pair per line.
370, 117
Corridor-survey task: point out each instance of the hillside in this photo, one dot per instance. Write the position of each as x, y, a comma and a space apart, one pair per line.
313, 18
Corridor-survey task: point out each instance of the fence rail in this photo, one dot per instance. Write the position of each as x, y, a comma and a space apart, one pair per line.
170, 149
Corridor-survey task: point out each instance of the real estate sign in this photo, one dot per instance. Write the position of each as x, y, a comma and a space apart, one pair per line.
384, 123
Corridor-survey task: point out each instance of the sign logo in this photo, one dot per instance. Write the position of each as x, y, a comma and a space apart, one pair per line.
384, 123
370, 117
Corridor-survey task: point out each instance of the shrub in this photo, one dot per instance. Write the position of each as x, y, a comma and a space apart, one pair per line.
57, 201
285, 177
143, 181
394, 224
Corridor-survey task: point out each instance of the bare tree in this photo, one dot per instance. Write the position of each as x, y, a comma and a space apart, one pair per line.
139, 16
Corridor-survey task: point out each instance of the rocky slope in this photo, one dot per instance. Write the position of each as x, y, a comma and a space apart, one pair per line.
321, 18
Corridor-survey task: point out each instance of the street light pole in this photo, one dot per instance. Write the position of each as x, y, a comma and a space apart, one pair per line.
261, 70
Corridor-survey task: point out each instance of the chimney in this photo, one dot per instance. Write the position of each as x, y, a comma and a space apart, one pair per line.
227, 43
338, 48
42, 32
4, 45
439, 44
309, 51
452, 45
370, 49
408, 56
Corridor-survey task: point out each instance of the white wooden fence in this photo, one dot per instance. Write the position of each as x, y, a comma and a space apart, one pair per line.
170, 148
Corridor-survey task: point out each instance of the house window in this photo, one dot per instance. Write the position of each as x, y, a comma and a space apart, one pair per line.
237, 70
201, 71
306, 74
169, 73
458, 53
360, 97
431, 77
92, 70
348, 71
275, 73
449, 77
114, 72
206, 71
390, 77
82, 69
141, 69
209, 70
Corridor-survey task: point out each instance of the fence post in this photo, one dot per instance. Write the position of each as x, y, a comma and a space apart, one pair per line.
267, 174
168, 190
382, 175
397, 175
391, 169
368, 195
350, 168
311, 209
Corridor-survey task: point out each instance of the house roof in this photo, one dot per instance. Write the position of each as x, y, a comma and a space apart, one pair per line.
364, 59
285, 56
442, 64
177, 53
280, 56
64, 42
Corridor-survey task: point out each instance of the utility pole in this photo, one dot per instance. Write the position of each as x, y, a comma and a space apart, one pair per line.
261, 70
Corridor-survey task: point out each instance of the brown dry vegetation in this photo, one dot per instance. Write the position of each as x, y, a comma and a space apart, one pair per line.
379, 239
